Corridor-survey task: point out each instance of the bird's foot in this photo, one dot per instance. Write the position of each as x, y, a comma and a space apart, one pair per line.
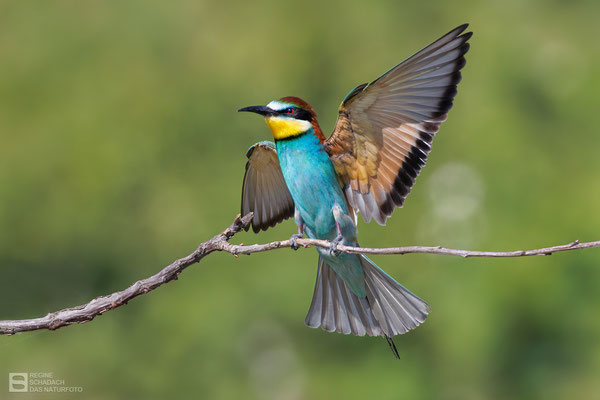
334, 244
293, 239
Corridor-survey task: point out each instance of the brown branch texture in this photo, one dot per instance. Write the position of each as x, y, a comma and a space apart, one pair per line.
100, 305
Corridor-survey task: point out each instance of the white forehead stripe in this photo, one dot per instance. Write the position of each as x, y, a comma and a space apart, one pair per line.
277, 105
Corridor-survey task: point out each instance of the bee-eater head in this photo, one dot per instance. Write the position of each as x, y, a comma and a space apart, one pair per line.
288, 117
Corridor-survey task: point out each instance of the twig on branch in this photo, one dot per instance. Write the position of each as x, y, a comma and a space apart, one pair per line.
220, 242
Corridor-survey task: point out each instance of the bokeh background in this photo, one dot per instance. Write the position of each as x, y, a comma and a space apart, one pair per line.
121, 150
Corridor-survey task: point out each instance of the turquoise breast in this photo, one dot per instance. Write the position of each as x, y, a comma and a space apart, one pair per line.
313, 183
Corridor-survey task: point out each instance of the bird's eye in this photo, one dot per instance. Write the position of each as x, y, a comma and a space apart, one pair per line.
289, 111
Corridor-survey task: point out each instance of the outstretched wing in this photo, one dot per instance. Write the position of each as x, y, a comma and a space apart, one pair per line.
384, 129
264, 191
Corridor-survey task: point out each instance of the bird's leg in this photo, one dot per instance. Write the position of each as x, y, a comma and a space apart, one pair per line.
335, 242
300, 233
295, 237
345, 228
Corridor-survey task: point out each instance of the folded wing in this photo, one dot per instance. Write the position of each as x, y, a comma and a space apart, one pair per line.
385, 129
264, 191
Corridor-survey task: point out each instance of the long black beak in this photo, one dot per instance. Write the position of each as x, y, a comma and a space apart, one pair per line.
262, 110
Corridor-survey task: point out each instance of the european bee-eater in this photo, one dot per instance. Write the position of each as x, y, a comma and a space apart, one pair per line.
380, 143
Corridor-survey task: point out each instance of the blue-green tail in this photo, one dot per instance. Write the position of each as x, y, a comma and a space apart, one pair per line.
387, 310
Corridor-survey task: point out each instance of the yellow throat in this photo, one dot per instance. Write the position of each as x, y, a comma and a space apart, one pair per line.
284, 128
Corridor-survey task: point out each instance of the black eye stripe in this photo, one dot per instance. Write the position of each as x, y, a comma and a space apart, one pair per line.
298, 113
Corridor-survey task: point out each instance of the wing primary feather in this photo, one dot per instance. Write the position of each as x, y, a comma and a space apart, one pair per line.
385, 129
264, 191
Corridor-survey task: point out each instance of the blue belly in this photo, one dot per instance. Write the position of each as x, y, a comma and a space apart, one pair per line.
314, 186
313, 183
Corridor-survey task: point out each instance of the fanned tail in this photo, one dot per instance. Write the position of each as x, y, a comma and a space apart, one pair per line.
387, 310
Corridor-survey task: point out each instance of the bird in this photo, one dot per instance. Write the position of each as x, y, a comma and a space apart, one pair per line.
368, 165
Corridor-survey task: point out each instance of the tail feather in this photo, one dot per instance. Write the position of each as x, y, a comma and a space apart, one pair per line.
353, 314
390, 342
388, 309
342, 320
402, 309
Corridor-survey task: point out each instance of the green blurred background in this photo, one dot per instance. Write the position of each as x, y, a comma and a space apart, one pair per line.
121, 150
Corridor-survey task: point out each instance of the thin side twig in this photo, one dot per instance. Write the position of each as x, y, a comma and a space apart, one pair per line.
100, 305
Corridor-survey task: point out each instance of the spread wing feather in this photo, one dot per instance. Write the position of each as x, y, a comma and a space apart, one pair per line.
385, 129
264, 191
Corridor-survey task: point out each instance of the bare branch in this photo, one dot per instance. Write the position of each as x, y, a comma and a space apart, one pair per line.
100, 305
546, 251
